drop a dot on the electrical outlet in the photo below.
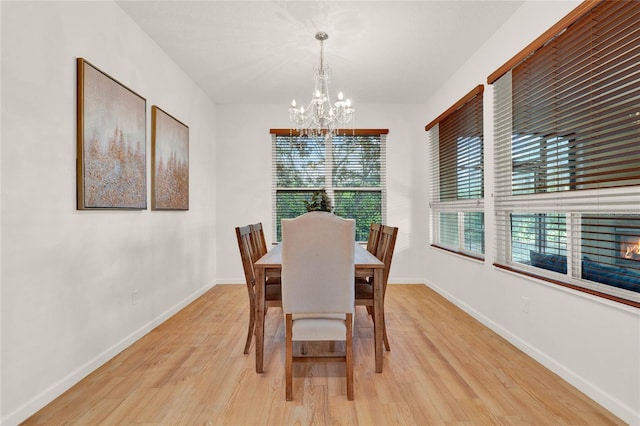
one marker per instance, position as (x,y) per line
(134,297)
(525,305)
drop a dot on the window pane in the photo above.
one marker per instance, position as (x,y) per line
(449,236)
(363,206)
(469,167)
(610,246)
(469,239)
(541,165)
(583,87)
(289,204)
(536,235)
(474,232)
(299,162)
(356,161)
(460,153)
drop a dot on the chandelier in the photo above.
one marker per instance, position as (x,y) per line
(320,116)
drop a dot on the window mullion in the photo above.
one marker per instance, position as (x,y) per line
(328,168)
(461,231)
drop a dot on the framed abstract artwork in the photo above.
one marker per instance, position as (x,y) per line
(111,138)
(170,162)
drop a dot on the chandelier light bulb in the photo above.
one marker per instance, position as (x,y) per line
(293,103)
(340,96)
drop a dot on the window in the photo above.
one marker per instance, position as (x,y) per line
(457,177)
(567,154)
(350,167)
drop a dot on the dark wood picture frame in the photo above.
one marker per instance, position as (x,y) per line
(170,162)
(111,142)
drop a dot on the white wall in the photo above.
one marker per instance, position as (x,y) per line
(590,342)
(68,276)
(244,170)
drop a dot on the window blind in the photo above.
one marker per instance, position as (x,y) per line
(457,176)
(567,155)
(350,166)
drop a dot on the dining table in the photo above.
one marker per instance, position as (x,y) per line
(366,265)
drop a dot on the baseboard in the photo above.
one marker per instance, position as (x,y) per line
(406,281)
(45,397)
(391,281)
(619,409)
(231,281)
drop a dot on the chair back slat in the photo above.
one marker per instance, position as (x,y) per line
(374,236)
(243,234)
(258,240)
(386,247)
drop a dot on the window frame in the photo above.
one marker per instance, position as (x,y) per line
(328,185)
(582,202)
(455,204)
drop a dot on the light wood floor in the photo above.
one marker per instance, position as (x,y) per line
(444,367)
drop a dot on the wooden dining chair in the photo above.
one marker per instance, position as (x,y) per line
(273,292)
(364,289)
(259,244)
(317,289)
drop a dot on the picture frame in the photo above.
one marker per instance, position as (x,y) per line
(170,162)
(111,142)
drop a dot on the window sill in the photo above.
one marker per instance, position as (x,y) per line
(561,284)
(466,255)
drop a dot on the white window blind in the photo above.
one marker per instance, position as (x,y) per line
(567,156)
(351,167)
(457,177)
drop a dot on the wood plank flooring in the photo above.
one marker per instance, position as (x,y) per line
(443,368)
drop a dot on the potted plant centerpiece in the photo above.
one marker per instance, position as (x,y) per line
(319,202)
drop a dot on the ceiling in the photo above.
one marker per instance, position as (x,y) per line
(264,52)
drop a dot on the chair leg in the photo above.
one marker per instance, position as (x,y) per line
(252,322)
(289,358)
(349,357)
(384,336)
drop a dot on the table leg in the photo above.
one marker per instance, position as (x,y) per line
(259,288)
(378,312)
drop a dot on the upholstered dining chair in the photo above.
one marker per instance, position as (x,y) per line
(364,289)
(273,292)
(317,288)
